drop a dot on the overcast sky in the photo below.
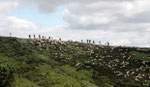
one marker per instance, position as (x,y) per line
(121,22)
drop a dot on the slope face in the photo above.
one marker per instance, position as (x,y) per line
(52,63)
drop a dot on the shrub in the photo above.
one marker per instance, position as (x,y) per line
(7,75)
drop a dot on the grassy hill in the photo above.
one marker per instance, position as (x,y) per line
(52,63)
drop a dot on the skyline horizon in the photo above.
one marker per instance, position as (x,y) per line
(121,22)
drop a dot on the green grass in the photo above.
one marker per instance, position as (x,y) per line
(140,56)
(75,65)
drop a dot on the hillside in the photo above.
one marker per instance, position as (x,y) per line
(52,63)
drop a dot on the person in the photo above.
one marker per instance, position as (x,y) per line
(81,41)
(99,42)
(34,36)
(10,34)
(89,41)
(29,36)
(93,42)
(107,43)
(42,37)
(39,36)
(60,39)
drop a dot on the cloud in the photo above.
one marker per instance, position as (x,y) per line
(93,13)
(16,26)
(7,6)
(22,28)
(121,22)
(43,6)
(102,13)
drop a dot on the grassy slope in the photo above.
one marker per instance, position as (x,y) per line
(72,64)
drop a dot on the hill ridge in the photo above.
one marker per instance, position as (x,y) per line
(86,65)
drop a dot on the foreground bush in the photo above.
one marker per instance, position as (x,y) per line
(7,75)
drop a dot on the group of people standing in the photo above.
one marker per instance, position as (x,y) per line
(93,42)
(41,37)
(88,40)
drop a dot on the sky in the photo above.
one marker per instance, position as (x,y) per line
(121,22)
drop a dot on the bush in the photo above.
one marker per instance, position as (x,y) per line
(7,75)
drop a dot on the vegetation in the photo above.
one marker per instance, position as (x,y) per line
(52,63)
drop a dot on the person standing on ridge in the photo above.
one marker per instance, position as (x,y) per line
(34,36)
(29,36)
(10,34)
(42,37)
(39,36)
(99,42)
(89,41)
(108,43)
(93,42)
(60,39)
